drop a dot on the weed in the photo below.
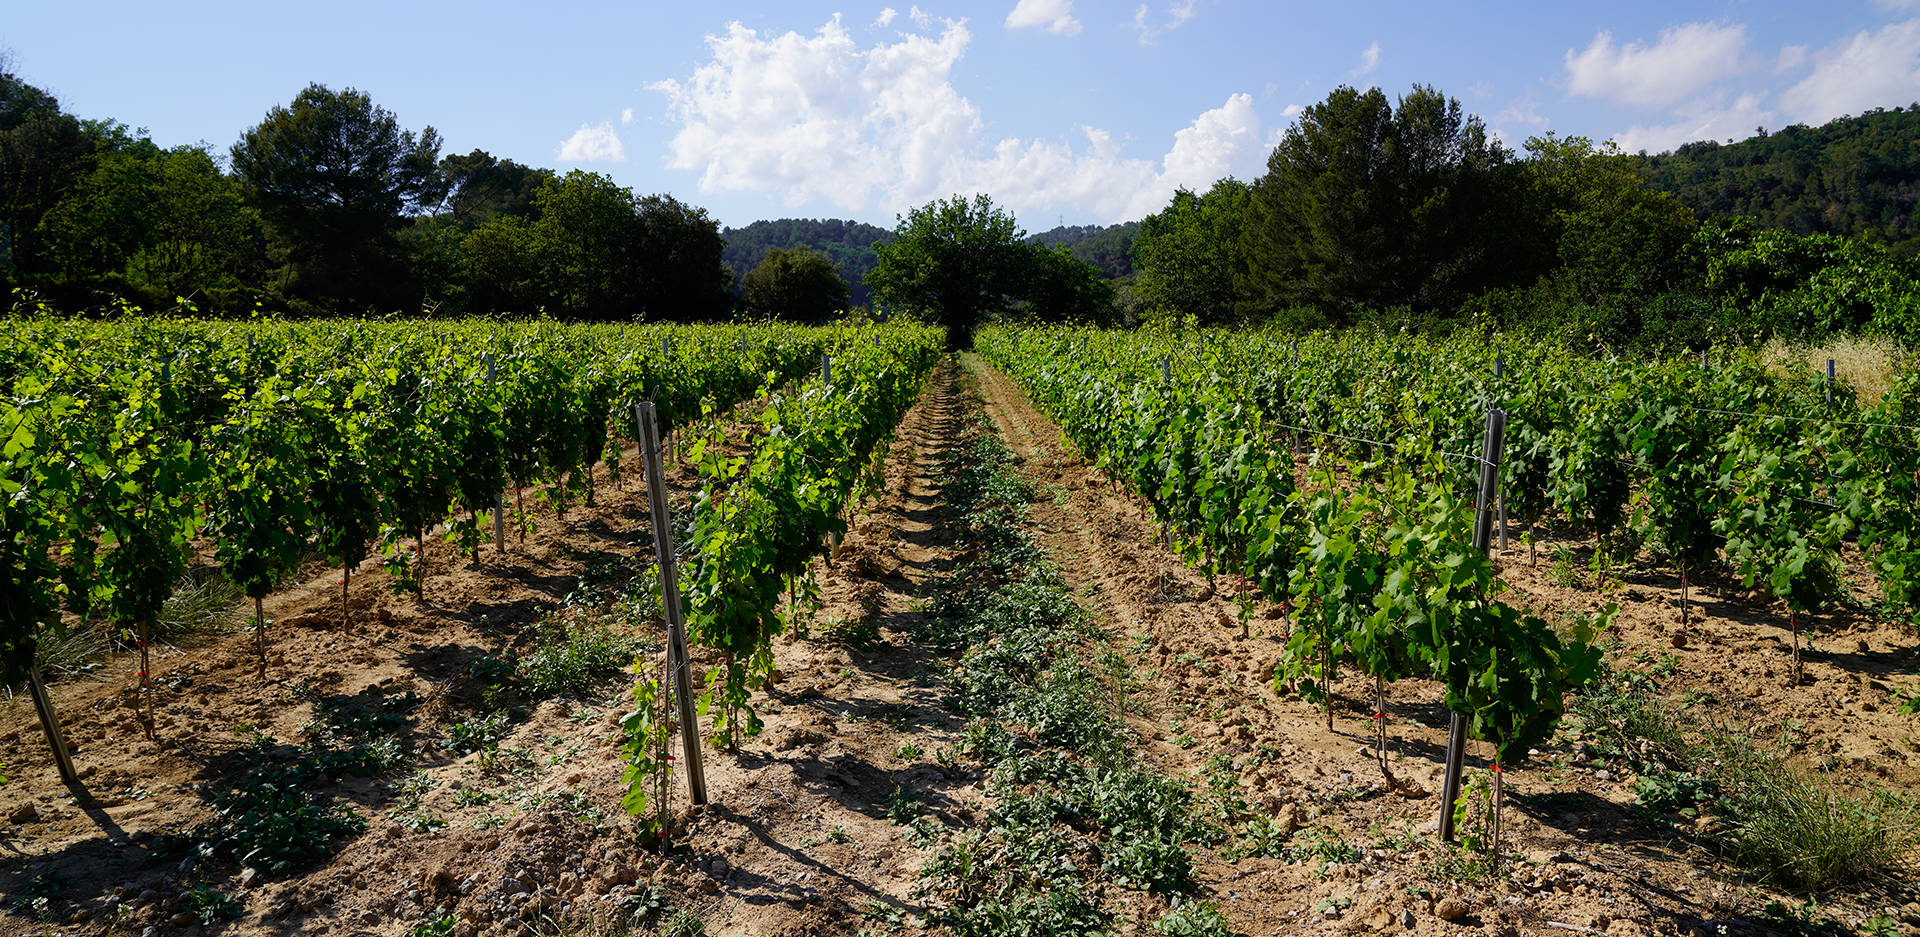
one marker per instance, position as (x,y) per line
(1263,836)
(203,902)
(478,732)
(1563,572)
(683,922)
(907,751)
(1324,849)
(40,890)
(1788,827)
(267,822)
(576,659)
(1150,862)
(1193,919)
(441,924)
(835,834)
(472,797)
(877,910)
(1182,740)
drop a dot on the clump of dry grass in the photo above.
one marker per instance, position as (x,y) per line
(1865,364)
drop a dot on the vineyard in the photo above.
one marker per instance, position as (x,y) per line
(357,626)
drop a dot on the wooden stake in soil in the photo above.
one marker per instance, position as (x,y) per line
(1490,453)
(260,632)
(682,684)
(1380,724)
(50,721)
(499,525)
(146,680)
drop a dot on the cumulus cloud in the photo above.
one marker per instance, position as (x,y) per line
(592,144)
(886,16)
(1684,61)
(1712,119)
(921,18)
(1055,16)
(818,118)
(626,116)
(1177,14)
(1872,68)
(1369,60)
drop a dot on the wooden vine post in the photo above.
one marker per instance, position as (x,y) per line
(499,503)
(50,721)
(681,684)
(1483,520)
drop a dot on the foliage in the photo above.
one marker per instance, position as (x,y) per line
(953,262)
(798,285)
(848,245)
(1109,249)
(1845,177)
(204,902)
(269,822)
(1368,205)
(1189,253)
(1193,919)
(336,177)
(761,518)
(576,658)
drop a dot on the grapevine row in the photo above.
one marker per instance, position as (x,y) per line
(124,442)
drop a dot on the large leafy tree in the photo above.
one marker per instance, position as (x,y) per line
(1610,233)
(1187,254)
(337,179)
(168,220)
(1063,288)
(1368,206)
(955,262)
(798,285)
(43,152)
(594,251)
(676,250)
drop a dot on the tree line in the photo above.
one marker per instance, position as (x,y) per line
(1853,176)
(1408,214)
(329,206)
(1403,213)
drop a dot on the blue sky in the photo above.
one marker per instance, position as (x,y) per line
(1063,110)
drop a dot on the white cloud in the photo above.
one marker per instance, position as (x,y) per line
(1177,14)
(1685,60)
(886,16)
(1055,16)
(1523,111)
(1872,68)
(1369,60)
(1711,119)
(920,17)
(1791,57)
(626,116)
(817,118)
(592,144)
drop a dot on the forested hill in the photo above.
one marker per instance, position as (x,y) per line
(847,243)
(1855,176)
(1108,248)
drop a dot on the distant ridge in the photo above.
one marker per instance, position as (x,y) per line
(847,243)
(1856,176)
(1109,248)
